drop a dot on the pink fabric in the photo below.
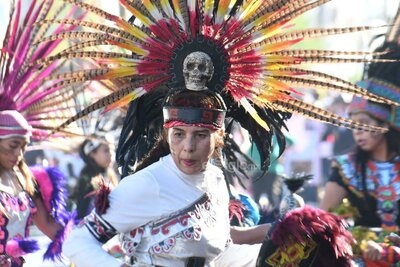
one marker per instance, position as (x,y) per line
(13,249)
(46,186)
(12,123)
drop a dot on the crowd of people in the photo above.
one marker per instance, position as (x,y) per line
(191,78)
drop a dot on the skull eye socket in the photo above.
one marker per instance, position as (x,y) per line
(190,66)
(202,67)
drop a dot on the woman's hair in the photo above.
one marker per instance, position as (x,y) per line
(29,185)
(28,176)
(91,168)
(392,137)
(183,98)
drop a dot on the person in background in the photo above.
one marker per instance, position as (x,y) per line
(23,196)
(97,171)
(369,175)
(30,111)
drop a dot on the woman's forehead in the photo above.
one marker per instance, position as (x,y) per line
(191,129)
(361,115)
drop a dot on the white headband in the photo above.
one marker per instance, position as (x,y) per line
(90,146)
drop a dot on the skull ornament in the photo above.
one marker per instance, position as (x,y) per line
(197,71)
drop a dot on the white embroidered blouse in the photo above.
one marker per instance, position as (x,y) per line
(164,216)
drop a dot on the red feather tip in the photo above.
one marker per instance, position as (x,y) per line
(236,208)
(101,201)
(303,223)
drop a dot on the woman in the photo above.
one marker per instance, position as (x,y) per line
(174,209)
(97,171)
(21,201)
(368,176)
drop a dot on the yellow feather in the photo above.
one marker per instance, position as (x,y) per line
(253,113)
(125,100)
(118,73)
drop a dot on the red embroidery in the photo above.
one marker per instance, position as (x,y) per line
(207,115)
(173,113)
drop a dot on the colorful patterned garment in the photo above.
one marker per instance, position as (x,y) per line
(15,225)
(379,207)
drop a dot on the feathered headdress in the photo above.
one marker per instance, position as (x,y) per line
(23,86)
(307,237)
(239,49)
(383,79)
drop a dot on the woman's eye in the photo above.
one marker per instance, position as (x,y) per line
(202,135)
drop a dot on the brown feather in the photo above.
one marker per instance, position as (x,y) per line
(105,101)
(326,85)
(90,8)
(140,7)
(81,36)
(100,27)
(293,11)
(315,33)
(84,55)
(323,53)
(83,45)
(182,5)
(312,112)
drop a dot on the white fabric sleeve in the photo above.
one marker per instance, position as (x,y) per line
(134,202)
(238,256)
(85,251)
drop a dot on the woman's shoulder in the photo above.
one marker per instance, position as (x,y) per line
(216,170)
(146,177)
(344,159)
(139,185)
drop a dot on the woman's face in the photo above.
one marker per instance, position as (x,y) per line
(367,141)
(191,147)
(11,152)
(102,156)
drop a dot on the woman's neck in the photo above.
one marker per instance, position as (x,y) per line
(9,182)
(381,153)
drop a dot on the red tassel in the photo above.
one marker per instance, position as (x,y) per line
(101,201)
(236,208)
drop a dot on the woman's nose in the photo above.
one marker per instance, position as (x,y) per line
(189,144)
(18,152)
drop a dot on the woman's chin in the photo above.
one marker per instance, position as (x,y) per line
(193,169)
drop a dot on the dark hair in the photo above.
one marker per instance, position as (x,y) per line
(91,168)
(388,72)
(195,99)
(182,98)
(392,137)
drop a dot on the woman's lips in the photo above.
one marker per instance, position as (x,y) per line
(361,143)
(188,162)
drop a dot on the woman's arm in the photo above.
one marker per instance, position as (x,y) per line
(131,205)
(249,235)
(84,250)
(334,194)
(44,221)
